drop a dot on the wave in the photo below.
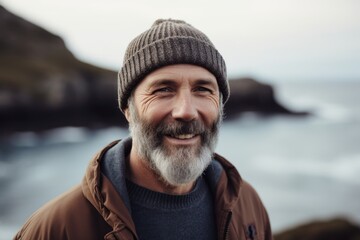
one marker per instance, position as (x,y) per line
(333,102)
(346,168)
(335,113)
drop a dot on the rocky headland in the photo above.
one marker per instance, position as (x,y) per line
(333,229)
(43,85)
(250,95)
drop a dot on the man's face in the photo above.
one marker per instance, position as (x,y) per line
(174,116)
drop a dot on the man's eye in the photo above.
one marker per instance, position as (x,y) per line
(203,89)
(163,90)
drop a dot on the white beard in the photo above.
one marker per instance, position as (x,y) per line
(182,166)
(174,165)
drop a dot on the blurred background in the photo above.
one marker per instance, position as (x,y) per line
(292,124)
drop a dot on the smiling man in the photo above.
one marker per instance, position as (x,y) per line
(164,181)
(174,114)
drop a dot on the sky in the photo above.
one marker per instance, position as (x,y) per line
(278,40)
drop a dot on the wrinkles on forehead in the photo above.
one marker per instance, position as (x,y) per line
(175,75)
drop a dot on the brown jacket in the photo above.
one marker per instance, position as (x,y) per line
(95,210)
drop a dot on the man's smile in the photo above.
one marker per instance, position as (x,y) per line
(183,139)
(185,136)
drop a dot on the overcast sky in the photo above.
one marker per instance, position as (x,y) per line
(273,40)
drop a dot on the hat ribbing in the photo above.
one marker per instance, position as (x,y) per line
(169,42)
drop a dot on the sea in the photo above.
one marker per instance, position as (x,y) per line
(303,168)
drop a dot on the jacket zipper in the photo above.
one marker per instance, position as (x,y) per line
(227,224)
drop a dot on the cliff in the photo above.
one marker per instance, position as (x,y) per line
(42,85)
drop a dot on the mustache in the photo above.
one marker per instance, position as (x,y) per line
(178,128)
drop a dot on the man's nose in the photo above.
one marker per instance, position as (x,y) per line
(184,108)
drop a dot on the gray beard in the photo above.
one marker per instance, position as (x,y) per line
(174,165)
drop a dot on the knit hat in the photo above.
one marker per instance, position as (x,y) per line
(169,42)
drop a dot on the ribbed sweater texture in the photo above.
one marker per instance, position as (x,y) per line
(164,216)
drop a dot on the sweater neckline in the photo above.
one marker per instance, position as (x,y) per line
(157,200)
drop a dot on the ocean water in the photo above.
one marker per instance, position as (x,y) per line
(303,168)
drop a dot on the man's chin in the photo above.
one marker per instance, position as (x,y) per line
(185,153)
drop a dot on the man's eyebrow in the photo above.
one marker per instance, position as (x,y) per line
(169,82)
(205,82)
(159,82)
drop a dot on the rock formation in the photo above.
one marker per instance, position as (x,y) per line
(42,85)
(249,95)
(334,229)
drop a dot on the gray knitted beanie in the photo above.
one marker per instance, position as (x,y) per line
(168,42)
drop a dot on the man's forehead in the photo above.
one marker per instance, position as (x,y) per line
(181,72)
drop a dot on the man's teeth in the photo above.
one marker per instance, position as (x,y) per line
(185,136)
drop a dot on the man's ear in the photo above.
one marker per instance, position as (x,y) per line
(127,114)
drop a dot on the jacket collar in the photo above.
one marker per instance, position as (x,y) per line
(104,184)
(100,192)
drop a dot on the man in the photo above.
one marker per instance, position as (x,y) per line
(165,181)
